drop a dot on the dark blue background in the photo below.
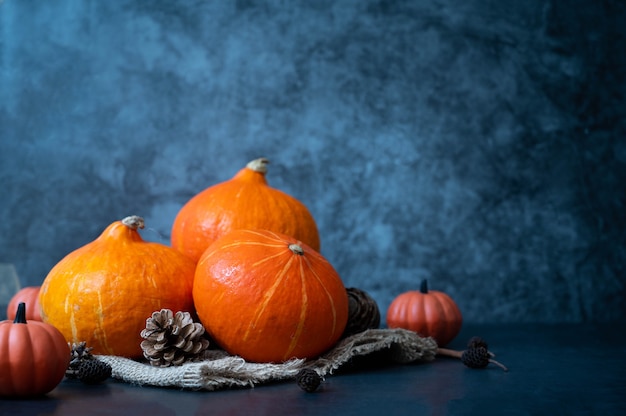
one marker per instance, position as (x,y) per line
(476,143)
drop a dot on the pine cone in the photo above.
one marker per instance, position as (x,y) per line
(363,312)
(477,357)
(308,380)
(79,352)
(476,342)
(172,339)
(93,371)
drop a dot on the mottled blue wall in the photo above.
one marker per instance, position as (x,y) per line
(476,143)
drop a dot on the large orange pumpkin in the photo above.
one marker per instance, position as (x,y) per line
(268,297)
(102,293)
(245,201)
(430,313)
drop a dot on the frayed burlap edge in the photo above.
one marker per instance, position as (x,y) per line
(218,370)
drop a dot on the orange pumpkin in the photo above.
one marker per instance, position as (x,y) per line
(102,293)
(245,201)
(30,296)
(429,313)
(268,297)
(33,356)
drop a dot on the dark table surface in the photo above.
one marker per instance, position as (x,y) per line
(553,370)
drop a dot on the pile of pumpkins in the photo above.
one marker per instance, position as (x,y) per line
(244,259)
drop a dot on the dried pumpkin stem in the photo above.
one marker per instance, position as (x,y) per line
(133,222)
(258,165)
(296,249)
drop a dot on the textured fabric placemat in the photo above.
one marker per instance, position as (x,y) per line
(219,370)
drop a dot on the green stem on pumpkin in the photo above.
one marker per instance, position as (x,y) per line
(424,286)
(20,316)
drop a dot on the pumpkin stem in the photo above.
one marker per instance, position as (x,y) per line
(296,249)
(424,286)
(258,165)
(20,316)
(133,222)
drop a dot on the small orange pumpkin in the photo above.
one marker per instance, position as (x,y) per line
(429,313)
(245,201)
(30,296)
(268,297)
(33,356)
(103,292)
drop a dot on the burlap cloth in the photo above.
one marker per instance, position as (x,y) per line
(219,370)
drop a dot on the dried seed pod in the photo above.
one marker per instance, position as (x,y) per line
(172,339)
(79,352)
(308,380)
(363,312)
(476,342)
(475,356)
(93,371)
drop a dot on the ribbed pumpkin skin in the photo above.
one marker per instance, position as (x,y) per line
(103,292)
(33,358)
(245,201)
(260,300)
(30,296)
(433,314)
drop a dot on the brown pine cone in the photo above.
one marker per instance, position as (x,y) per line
(476,341)
(172,339)
(93,371)
(308,380)
(79,352)
(363,312)
(477,354)
(477,357)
